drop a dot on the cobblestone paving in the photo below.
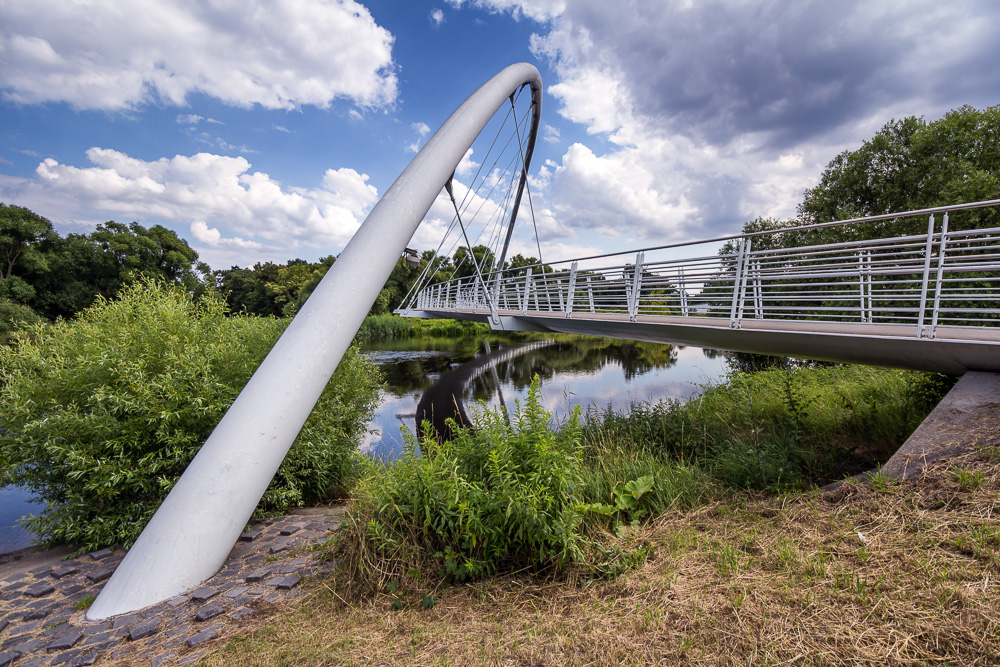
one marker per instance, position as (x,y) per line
(40,623)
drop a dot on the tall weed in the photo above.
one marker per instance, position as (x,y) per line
(498,498)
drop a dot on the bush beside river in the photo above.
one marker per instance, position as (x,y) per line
(100,415)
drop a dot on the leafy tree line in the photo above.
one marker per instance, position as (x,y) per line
(281,289)
(45,275)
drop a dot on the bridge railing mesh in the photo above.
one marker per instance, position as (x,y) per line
(927,269)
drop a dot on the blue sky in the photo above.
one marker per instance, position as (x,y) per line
(266,130)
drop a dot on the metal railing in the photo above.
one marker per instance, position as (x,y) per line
(935,267)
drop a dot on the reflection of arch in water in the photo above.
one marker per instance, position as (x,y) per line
(443,400)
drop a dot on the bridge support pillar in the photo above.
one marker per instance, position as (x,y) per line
(966,417)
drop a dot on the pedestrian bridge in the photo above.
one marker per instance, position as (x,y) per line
(924,295)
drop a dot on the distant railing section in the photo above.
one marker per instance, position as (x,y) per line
(942,273)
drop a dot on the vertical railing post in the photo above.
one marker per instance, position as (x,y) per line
(940,275)
(862,311)
(527,292)
(590,293)
(571,290)
(736,309)
(928,248)
(683,292)
(758,299)
(633,310)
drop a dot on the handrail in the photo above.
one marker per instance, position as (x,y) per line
(931,278)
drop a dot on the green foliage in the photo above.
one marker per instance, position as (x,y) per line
(14,317)
(500,498)
(272,289)
(912,164)
(21,234)
(776,429)
(100,415)
(394,326)
(58,277)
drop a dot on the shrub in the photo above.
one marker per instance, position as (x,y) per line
(499,498)
(100,415)
(15,317)
(394,326)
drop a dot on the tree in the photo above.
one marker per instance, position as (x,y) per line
(156,252)
(911,164)
(465,267)
(21,233)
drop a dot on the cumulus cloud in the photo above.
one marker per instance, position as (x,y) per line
(789,71)
(539,10)
(219,198)
(422,130)
(113,55)
(466,166)
(716,112)
(437,17)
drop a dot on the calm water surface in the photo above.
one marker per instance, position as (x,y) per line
(589,372)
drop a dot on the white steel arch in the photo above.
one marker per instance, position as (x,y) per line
(193,531)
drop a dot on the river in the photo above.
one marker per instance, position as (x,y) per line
(593,373)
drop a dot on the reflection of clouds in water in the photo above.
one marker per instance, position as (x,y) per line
(590,389)
(390,356)
(384,439)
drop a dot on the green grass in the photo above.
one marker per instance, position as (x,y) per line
(684,564)
(84,602)
(394,326)
(778,429)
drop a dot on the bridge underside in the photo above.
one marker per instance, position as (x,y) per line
(953,350)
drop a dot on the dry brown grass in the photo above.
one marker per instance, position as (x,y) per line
(745,580)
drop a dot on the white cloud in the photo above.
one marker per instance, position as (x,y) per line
(189,119)
(539,10)
(106,54)
(466,166)
(245,208)
(213,237)
(422,130)
(716,112)
(437,17)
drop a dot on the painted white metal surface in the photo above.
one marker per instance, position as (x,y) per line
(192,533)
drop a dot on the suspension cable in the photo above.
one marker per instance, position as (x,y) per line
(482,283)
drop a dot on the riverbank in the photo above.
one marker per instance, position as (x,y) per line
(899,571)
(44,597)
(902,573)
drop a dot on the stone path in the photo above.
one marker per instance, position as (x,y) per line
(43,622)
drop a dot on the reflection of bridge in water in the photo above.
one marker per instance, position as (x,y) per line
(444,400)
(926,300)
